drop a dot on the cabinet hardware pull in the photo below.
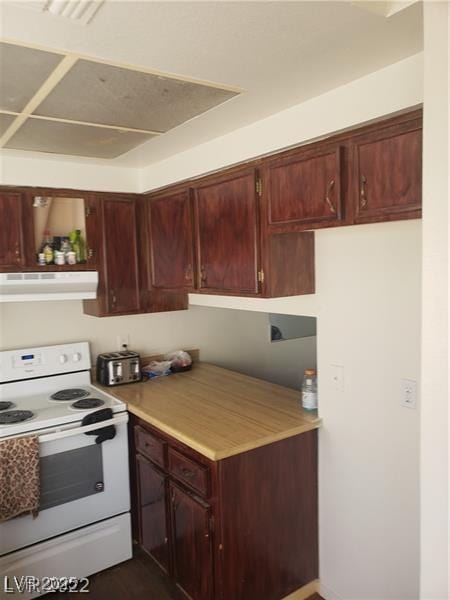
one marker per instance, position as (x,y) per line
(90,253)
(203,273)
(187,473)
(188,273)
(17,253)
(113,297)
(327,197)
(362,193)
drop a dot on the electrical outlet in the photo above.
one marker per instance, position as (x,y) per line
(337,377)
(122,340)
(408,393)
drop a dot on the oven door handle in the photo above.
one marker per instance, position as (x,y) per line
(58,435)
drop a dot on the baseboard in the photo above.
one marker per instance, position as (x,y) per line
(327,593)
(304,592)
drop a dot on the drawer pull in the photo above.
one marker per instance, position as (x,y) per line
(362,193)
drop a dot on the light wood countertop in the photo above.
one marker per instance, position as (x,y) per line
(216,411)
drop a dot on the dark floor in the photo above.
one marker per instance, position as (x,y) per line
(135,579)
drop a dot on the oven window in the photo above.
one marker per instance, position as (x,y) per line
(71,475)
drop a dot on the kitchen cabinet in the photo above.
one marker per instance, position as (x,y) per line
(11,233)
(387,172)
(191,543)
(118,222)
(226,211)
(240,528)
(121,268)
(171,241)
(152,493)
(304,189)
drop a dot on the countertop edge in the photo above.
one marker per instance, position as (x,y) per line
(220,455)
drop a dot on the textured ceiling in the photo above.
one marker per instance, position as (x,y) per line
(106,110)
(280,53)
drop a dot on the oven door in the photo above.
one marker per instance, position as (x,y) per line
(82,482)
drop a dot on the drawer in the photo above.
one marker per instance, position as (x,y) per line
(189,472)
(150,446)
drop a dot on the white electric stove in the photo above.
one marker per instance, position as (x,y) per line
(83,524)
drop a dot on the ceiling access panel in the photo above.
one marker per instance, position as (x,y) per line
(22,73)
(100,93)
(5,122)
(56,137)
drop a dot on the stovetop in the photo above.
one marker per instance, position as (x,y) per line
(47,387)
(39,411)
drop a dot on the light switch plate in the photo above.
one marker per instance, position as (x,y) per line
(337,377)
(408,393)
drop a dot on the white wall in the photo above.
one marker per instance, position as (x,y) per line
(81,174)
(435,539)
(388,90)
(238,341)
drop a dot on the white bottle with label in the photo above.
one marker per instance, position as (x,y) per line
(309,390)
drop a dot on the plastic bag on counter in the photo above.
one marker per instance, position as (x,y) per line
(179,361)
(156,368)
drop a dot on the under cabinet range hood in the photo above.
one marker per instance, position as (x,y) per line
(48,285)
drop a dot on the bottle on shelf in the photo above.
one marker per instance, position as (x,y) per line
(78,245)
(47,247)
(309,390)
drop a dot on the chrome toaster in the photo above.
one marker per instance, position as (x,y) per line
(116,368)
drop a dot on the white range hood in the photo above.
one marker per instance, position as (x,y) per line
(48,285)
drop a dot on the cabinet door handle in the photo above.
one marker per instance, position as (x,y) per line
(187,473)
(362,192)
(113,297)
(17,252)
(203,273)
(90,253)
(188,273)
(327,197)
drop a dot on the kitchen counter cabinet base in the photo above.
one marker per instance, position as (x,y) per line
(254,535)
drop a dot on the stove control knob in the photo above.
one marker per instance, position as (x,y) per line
(63,358)
(76,357)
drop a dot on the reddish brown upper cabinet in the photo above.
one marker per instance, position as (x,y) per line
(227,234)
(387,173)
(11,232)
(304,189)
(121,255)
(171,241)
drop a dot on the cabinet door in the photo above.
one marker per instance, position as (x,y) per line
(11,237)
(120,255)
(153,522)
(192,544)
(304,190)
(227,235)
(171,241)
(387,167)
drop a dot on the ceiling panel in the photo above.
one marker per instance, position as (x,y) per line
(5,122)
(41,135)
(22,72)
(99,93)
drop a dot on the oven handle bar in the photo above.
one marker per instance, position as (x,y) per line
(58,435)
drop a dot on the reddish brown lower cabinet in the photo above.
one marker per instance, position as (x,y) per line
(152,506)
(191,523)
(241,528)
